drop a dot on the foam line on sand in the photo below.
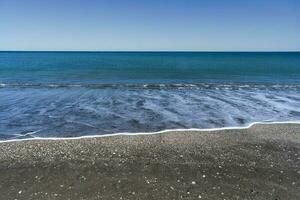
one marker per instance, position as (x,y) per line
(152,133)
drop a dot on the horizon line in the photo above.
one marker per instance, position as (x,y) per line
(154,51)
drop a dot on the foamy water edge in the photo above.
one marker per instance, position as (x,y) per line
(151,133)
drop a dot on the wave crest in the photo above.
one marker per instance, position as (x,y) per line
(149,86)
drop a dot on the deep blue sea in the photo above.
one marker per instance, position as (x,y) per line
(65,94)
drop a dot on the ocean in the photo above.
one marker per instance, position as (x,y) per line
(68,94)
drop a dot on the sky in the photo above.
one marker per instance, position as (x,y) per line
(152,25)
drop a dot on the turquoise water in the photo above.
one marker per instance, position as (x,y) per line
(68,67)
(63,94)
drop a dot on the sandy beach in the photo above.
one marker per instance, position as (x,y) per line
(262,162)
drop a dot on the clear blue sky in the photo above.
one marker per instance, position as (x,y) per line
(214,25)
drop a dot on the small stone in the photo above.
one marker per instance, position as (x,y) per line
(199,197)
(193,182)
(83,178)
(203,176)
(20,192)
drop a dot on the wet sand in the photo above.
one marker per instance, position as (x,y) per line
(262,162)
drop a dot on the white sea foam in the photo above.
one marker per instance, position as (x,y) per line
(65,112)
(152,133)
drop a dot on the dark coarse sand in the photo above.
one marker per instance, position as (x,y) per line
(262,162)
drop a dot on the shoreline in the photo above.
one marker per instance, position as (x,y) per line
(153,133)
(260,162)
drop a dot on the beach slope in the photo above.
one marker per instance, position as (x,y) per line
(262,162)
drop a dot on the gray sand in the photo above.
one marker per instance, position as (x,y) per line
(262,162)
